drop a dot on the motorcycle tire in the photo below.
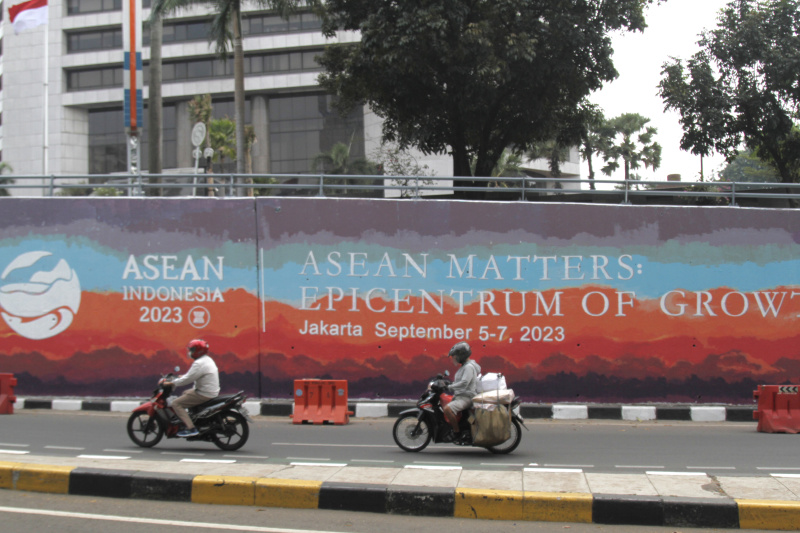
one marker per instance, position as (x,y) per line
(410,433)
(230,432)
(145,430)
(513,441)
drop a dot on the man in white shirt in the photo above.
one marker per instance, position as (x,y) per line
(205,375)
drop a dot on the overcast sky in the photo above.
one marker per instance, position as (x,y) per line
(673,31)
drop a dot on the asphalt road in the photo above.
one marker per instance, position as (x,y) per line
(591,445)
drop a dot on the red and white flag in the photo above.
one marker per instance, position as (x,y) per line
(28,15)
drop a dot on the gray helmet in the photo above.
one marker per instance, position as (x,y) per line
(461,351)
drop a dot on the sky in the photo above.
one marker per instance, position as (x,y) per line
(673,30)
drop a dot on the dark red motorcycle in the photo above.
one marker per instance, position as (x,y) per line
(222,420)
(416,428)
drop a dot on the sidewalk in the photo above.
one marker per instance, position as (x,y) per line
(535,494)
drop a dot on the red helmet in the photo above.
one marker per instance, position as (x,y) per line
(197,348)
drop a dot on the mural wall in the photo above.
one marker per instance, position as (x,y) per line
(572,302)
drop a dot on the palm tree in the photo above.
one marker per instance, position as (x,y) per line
(596,140)
(222,134)
(337,161)
(634,152)
(226,30)
(5,181)
(154,106)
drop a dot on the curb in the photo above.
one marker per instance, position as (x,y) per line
(460,502)
(371,409)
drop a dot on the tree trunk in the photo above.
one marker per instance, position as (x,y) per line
(238,92)
(154,109)
(591,171)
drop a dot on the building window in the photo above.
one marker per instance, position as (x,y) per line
(95,78)
(107,150)
(265,24)
(79,7)
(302,127)
(94,40)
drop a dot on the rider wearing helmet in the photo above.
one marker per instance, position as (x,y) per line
(205,375)
(464,385)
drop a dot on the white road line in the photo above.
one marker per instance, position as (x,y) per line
(370,461)
(433,467)
(179,453)
(502,464)
(117,457)
(711,467)
(156,521)
(112,450)
(662,473)
(786,475)
(569,466)
(776,468)
(555,470)
(73,448)
(247,456)
(437,463)
(15,445)
(15,452)
(636,466)
(316,459)
(333,445)
(317,464)
(218,461)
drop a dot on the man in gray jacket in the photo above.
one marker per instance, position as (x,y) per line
(205,375)
(465,385)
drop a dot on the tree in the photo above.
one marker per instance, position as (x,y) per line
(746,167)
(596,139)
(390,160)
(473,77)
(222,135)
(741,87)
(226,30)
(337,161)
(633,143)
(5,181)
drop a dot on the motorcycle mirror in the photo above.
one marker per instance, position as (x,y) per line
(177,369)
(447,373)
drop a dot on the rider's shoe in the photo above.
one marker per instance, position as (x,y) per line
(188,433)
(450,436)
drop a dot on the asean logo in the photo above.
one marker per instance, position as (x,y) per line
(38,303)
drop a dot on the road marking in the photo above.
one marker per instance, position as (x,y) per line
(333,445)
(15,452)
(662,473)
(636,466)
(502,464)
(563,470)
(433,467)
(15,445)
(437,463)
(786,475)
(711,467)
(112,450)
(117,457)
(247,456)
(318,464)
(218,461)
(308,459)
(370,461)
(74,448)
(777,468)
(156,521)
(569,466)
(179,453)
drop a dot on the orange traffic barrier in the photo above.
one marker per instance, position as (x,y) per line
(778,408)
(320,401)
(7,398)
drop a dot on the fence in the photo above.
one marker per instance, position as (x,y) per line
(323,185)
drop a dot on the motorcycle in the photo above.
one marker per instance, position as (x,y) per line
(416,428)
(221,420)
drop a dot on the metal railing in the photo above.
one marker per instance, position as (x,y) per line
(327,185)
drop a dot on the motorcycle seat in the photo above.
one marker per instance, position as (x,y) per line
(223,398)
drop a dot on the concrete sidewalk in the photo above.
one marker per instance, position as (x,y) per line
(536,494)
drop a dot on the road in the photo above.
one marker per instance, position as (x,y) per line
(591,445)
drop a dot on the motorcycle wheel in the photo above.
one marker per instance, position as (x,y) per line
(145,430)
(231,432)
(513,441)
(411,434)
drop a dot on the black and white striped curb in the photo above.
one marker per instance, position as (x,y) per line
(372,409)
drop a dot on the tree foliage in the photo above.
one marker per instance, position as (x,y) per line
(475,77)
(741,87)
(631,141)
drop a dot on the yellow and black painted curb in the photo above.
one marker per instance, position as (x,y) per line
(419,501)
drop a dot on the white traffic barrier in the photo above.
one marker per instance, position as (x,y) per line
(638,412)
(708,414)
(372,410)
(124,406)
(67,405)
(570,412)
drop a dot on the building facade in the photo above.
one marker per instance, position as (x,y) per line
(294,121)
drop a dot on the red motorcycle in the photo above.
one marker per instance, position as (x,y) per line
(416,428)
(221,420)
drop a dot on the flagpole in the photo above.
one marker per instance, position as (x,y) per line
(46,76)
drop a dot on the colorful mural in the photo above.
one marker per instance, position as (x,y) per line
(571,302)
(588,303)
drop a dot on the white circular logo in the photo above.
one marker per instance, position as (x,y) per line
(39,304)
(199,317)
